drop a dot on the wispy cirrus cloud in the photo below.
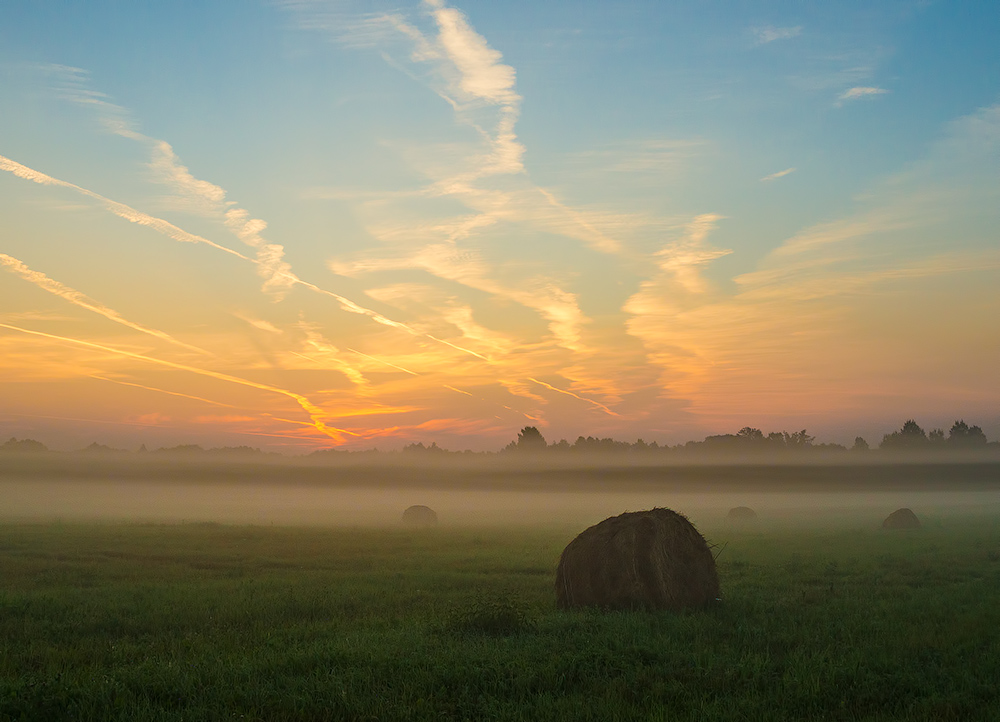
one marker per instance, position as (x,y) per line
(460,65)
(779,174)
(248,227)
(858,92)
(73,84)
(764,34)
(852,283)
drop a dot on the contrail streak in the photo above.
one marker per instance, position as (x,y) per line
(89,421)
(75,297)
(459,348)
(378,360)
(171,231)
(119,209)
(163,391)
(602,407)
(315,413)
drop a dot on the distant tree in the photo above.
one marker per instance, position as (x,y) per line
(243,450)
(911,436)
(749,433)
(798,439)
(561,445)
(592,445)
(181,449)
(529,439)
(420,448)
(96,448)
(23,445)
(859,444)
(936,437)
(828,447)
(963,435)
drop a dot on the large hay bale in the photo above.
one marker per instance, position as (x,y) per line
(419,516)
(901,519)
(741,514)
(652,559)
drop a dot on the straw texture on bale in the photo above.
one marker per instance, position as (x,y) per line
(420,515)
(901,519)
(741,513)
(652,559)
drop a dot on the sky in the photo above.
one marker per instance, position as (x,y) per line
(306,224)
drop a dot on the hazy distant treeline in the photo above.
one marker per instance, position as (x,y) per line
(909,439)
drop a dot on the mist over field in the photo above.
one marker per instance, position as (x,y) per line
(469,492)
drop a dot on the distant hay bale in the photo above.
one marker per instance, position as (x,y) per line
(901,519)
(741,514)
(419,516)
(652,559)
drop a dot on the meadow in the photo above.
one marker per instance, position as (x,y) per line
(202,621)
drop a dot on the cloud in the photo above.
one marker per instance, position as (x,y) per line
(259,323)
(78,299)
(119,209)
(769,33)
(482,75)
(467,72)
(593,403)
(191,194)
(316,345)
(161,391)
(684,259)
(200,195)
(316,415)
(269,258)
(859,92)
(73,85)
(779,174)
(841,312)
(560,308)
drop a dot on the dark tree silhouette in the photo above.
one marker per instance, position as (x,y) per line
(750,434)
(911,436)
(798,439)
(529,439)
(29,445)
(859,444)
(963,435)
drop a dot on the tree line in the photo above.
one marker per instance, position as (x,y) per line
(909,438)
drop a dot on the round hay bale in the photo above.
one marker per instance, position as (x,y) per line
(901,519)
(652,559)
(741,514)
(419,515)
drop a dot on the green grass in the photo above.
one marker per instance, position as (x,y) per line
(205,622)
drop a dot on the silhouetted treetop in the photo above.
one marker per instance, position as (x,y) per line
(963,435)
(23,445)
(911,436)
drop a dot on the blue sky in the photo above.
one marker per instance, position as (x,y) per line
(443,222)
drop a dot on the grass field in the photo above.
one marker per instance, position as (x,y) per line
(209,622)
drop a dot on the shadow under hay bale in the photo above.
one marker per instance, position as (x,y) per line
(901,519)
(420,516)
(741,514)
(652,559)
